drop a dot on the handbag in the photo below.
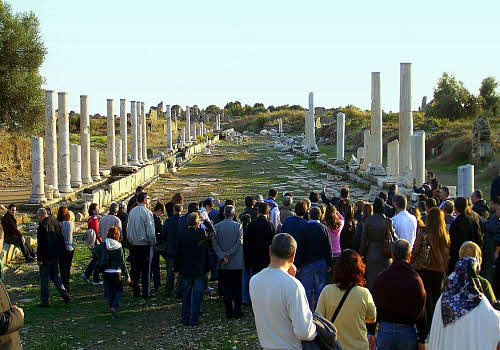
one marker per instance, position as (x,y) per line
(388,240)
(423,258)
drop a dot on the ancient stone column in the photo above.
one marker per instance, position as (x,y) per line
(393,158)
(84,141)
(202,129)
(144,134)
(169,130)
(195,131)
(340,135)
(217,122)
(418,156)
(405,122)
(118,152)
(37,183)
(51,142)
(64,155)
(76,166)
(376,120)
(310,132)
(465,180)
(366,146)
(94,164)
(280,126)
(134,159)
(183,136)
(139,132)
(123,130)
(110,150)
(188,124)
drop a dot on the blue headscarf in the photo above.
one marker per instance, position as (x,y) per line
(462,293)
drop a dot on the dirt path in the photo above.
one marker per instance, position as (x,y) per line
(232,171)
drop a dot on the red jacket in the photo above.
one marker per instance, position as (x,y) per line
(93,223)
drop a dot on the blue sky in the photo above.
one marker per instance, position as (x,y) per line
(274,52)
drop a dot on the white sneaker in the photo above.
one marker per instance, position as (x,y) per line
(97,283)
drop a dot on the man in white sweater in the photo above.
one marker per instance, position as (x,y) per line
(282,315)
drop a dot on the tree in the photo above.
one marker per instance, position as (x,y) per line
(21,54)
(490,99)
(212,109)
(452,100)
(233,108)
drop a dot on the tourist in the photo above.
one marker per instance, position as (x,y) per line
(435,237)
(393,190)
(314,198)
(463,318)
(405,224)
(444,195)
(123,216)
(495,187)
(426,185)
(316,257)
(158,212)
(111,253)
(258,199)
(334,222)
(111,219)
(286,210)
(375,229)
(491,242)
(389,210)
(465,227)
(366,213)
(448,209)
(344,194)
(66,260)
(12,320)
(472,250)
(479,205)
(416,213)
(14,237)
(322,208)
(274,211)
(183,220)
(177,198)
(358,308)
(249,208)
(93,224)
(423,210)
(429,204)
(206,208)
(294,225)
(282,316)
(358,210)
(192,263)
(247,272)
(308,206)
(50,248)
(133,199)
(172,233)
(260,233)
(228,245)
(399,296)
(349,229)
(141,237)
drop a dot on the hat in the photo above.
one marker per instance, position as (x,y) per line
(210,199)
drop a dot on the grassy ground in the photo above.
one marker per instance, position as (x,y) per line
(232,171)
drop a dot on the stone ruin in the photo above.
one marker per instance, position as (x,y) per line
(481,139)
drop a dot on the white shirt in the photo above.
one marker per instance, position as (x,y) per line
(282,315)
(405,225)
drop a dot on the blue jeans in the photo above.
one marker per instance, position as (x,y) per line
(113,289)
(155,270)
(313,278)
(392,336)
(192,293)
(245,285)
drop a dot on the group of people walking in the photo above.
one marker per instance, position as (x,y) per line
(387,276)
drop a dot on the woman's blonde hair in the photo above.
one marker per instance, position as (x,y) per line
(436,226)
(322,207)
(470,249)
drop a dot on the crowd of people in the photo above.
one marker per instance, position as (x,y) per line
(387,276)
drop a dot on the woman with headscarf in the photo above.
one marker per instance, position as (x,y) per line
(463,317)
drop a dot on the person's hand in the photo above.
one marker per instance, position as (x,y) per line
(292,270)
(372,342)
(15,307)
(23,239)
(420,346)
(129,280)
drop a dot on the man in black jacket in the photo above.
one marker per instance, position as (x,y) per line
(170,235)
(192,263)
(13,236)
(259,236)
(316,257)
(133,199)
(50,249)
(479,205)
(465,227)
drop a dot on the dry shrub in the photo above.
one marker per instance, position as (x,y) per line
(456,149)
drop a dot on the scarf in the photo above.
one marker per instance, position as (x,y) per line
(462,292)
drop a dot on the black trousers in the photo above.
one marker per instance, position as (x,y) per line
(65,267)
(231,291)
(26,248)
(141,257)
(433,284)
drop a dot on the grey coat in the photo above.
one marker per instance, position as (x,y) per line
(228,238)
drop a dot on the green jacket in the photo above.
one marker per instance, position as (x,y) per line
(114,258)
